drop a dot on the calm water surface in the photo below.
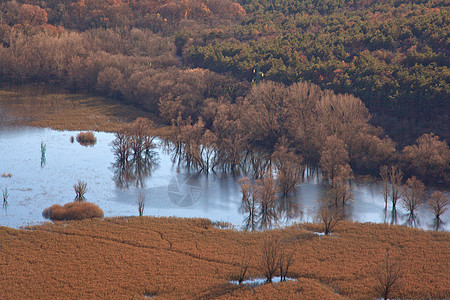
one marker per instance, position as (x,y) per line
(169,190)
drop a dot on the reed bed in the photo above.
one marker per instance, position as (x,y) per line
(176,258)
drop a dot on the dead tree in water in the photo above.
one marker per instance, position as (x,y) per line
(289,169)
(413,194)
(384,173)
(396,176)
(249,203)
(438,203)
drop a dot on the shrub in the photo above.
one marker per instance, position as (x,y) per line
(86,138)
(73,211)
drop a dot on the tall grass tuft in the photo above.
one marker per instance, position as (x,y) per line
(73,211)
(86,138)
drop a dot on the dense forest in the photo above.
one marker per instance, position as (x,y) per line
(291,77)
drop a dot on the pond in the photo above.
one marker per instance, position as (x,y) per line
(39,181)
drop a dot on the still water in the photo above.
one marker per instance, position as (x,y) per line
(39,181)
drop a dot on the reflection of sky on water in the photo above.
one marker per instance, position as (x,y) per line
(215,196)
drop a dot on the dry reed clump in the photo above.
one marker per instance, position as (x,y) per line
(86,138)
(73,211)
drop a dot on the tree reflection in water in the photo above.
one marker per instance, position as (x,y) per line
(261,206)
(134,153)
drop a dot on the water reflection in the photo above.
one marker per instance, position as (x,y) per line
(288,209)
(5,196)
(43,150)
(437,224)
(412,220)
(131,166)
(394,217)
(117,178)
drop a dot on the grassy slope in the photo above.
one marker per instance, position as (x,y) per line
(190,258)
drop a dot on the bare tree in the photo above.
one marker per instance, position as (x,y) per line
(141,203)
(289,169)
(270,256)
(339,191)
(387,276)
(267,188)
(396,176)
(285,261)
(413,194)
(334,154)
(384,173)
(438,203)
(249,202)
(80,189)
(329,217)
(244,265)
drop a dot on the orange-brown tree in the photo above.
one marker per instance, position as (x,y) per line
(289,169)
(429,158)
(413,195)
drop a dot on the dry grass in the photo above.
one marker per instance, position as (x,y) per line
(86,138)
(192,259)
(28,105)
(73,211)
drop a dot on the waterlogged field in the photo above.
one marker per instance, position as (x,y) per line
(174,258)
(39,180)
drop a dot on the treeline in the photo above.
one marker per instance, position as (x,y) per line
(136,66)
(157,15)
(393,55)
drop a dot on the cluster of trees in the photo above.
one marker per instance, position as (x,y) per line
(278,129)
(133,152)
(411,194)
(157,15)
(275,124)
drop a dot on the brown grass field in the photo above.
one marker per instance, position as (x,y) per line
(192,259)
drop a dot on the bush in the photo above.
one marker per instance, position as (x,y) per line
(86,138)
(73,211)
